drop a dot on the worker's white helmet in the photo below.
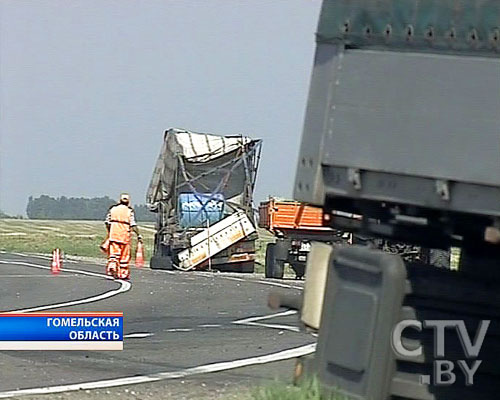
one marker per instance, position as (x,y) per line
(125,198)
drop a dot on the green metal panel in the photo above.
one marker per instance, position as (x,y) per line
(420,25)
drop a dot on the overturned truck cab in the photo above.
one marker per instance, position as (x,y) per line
(202,192)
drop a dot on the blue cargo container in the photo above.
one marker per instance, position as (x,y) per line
(196,210)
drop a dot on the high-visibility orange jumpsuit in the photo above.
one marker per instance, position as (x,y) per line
(120,220)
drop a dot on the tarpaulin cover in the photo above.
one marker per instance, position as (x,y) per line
(200,163)
(422,25)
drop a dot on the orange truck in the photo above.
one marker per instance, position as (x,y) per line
(295,225)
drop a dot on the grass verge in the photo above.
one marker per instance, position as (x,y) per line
(82,238)
(74,238)
(307,390)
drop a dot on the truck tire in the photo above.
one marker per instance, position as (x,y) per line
(299,269)
(274,268)
(247,267)
(161,262)
(243,267)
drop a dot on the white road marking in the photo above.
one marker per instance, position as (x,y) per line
(249,322)
(273,326)
(36,276)
(263,317)
(43,257)
(202,369)
(252,321)
(124,287)
(222,275)
(170,272)
(137,335)
(36,345)
(232,278)
(271,283)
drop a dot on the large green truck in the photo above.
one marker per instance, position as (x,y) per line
(403,128)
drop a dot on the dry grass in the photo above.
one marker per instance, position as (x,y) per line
(76,238)
(81,238)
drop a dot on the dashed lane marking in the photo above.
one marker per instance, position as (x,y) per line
(273,326)
(263,317)
(138,335)
(252,321)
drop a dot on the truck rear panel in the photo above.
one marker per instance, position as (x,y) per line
(403,106)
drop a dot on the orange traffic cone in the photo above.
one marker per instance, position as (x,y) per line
(56,261)
(139,255)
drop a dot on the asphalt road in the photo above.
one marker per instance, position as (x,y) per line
(174,322)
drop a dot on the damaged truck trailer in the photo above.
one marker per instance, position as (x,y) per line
(202,193)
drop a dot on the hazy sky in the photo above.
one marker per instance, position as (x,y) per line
(87,88)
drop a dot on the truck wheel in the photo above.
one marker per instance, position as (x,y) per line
(299,269)
(247,267)
(161,262)
(274,268)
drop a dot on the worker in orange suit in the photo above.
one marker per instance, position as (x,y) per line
(120,221)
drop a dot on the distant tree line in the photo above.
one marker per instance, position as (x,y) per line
(7,216)
(78,208)
(142,214)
